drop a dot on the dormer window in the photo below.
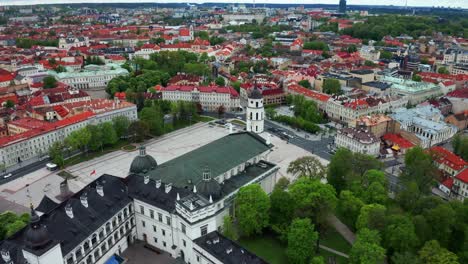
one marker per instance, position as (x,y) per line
(69,210)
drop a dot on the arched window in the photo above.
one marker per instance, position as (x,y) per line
(256,116)
(250,115)
(256,104)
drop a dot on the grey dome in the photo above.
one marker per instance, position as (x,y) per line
(256,94)
(208,186)
(142,162)
(211,187)
(36,235)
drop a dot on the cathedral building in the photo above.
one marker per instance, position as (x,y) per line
(177,207)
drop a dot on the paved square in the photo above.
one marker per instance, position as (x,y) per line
(32,187)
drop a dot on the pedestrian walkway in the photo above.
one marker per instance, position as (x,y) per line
(342,229)
(333,251)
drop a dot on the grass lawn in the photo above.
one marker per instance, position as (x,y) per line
(203,118)
(272,251)
(326,255)
(239,122)
(66,175)
(267,247)
(333,239)
(128,147)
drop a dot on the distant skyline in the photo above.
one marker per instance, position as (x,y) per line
(446,3)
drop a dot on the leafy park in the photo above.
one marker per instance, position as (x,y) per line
(292,224)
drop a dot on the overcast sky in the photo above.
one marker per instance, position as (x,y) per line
(451,3)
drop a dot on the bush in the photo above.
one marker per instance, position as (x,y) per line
(298,122)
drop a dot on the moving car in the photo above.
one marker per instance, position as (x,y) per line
(6,176)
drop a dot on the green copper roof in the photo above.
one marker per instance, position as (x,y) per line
(219,156)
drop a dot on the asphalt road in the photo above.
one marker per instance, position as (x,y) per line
(24,170)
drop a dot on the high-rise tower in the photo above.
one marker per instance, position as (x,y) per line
(342,8)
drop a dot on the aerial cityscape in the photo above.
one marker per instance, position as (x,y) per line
(313,132)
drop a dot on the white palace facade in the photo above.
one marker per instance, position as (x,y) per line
(176,207)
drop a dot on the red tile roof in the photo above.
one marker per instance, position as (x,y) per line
(184,32)
(398,140)
(443,156)
(309,93)
(459,93)
(448,183)
(8,140)
(463,176)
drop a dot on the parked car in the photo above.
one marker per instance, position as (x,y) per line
(6,176)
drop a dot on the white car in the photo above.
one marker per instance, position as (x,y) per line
(6,176)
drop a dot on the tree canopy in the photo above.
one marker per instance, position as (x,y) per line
(252,209)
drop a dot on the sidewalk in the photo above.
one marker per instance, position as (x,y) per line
(333,251)
(342,229)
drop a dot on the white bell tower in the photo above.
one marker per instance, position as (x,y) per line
(255,111)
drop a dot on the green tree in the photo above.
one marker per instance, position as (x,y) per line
(376,193)
(79,139)
(9,104)
(349,206)
(121,124)
(416,78)
(229,230)
(420,169)
(60,69)
(409,196)
(441,219)
(270,113)
(49,82)
(316,45)
(369,63)
(154,118)
(305,84)
(307,166)
(109,135)
(96,141)
(400,234)
(372,216)
(332,86)
(386,55)
(10,223)
(433,253)
(339,167)
(405,258)
(220,81)
(252,209)
(317,260)
(422,228)
(460,146)
(236,86)
(313,199)
(366,249)
(56,154)
(281,211)
(443,70)
(137,131)
(301,240)
(351,49)
(282,183)
(14,227)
